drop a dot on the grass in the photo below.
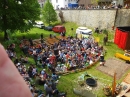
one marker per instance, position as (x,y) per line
(67,82)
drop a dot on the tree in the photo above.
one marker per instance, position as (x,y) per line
(61,16)
(49,14)
(18,15)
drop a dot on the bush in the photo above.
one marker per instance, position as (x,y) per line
(13,40)
(55,23)
(105,31)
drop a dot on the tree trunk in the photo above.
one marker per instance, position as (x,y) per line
(4,17)
(6,35)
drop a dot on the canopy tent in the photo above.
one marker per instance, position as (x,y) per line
(70,5)
(122,37)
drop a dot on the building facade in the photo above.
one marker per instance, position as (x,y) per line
(58,4)
(41,2)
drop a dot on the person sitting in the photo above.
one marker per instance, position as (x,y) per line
(42,80)
(45,85)
(34,71)
(37,79)
(54,76)
(12,47)
(24,60)
(16,60)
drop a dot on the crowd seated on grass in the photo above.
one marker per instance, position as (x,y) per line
(72,54)
(11,51)
(31,73)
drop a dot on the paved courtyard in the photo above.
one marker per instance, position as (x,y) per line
(114,65)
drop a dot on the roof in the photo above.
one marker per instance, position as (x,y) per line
(82,28)
(39,22)
(125,28)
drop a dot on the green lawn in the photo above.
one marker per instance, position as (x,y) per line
(67,82)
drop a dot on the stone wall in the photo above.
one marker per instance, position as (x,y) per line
(98,18)
(123,18)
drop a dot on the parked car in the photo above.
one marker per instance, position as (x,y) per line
(39,24)
(49,28)
(59,29)
(83,32)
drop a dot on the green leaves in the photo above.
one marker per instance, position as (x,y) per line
(95,1)
(49,14)
(17,14)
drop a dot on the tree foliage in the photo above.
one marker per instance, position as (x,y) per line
(94,1)
(18,14)
(49,14)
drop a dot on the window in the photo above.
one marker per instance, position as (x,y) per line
(56,1)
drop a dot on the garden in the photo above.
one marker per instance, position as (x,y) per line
(68,82)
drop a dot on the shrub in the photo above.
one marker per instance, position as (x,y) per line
(55,23)
(13,40)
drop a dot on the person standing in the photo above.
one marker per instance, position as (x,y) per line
(49,91)
(105,39)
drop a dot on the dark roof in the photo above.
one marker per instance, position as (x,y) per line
(125,28)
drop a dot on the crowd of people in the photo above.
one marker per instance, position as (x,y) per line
(68,54)
(101,7)
(33,76)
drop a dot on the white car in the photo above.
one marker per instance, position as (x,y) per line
(39,24)
(83,31)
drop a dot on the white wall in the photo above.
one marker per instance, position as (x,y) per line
(57,3)
(72,1)
(41,4)
(62,3)
(53,3)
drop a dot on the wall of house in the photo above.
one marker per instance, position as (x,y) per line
(61,3)
(98,18)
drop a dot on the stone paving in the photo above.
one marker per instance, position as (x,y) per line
(113,65)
